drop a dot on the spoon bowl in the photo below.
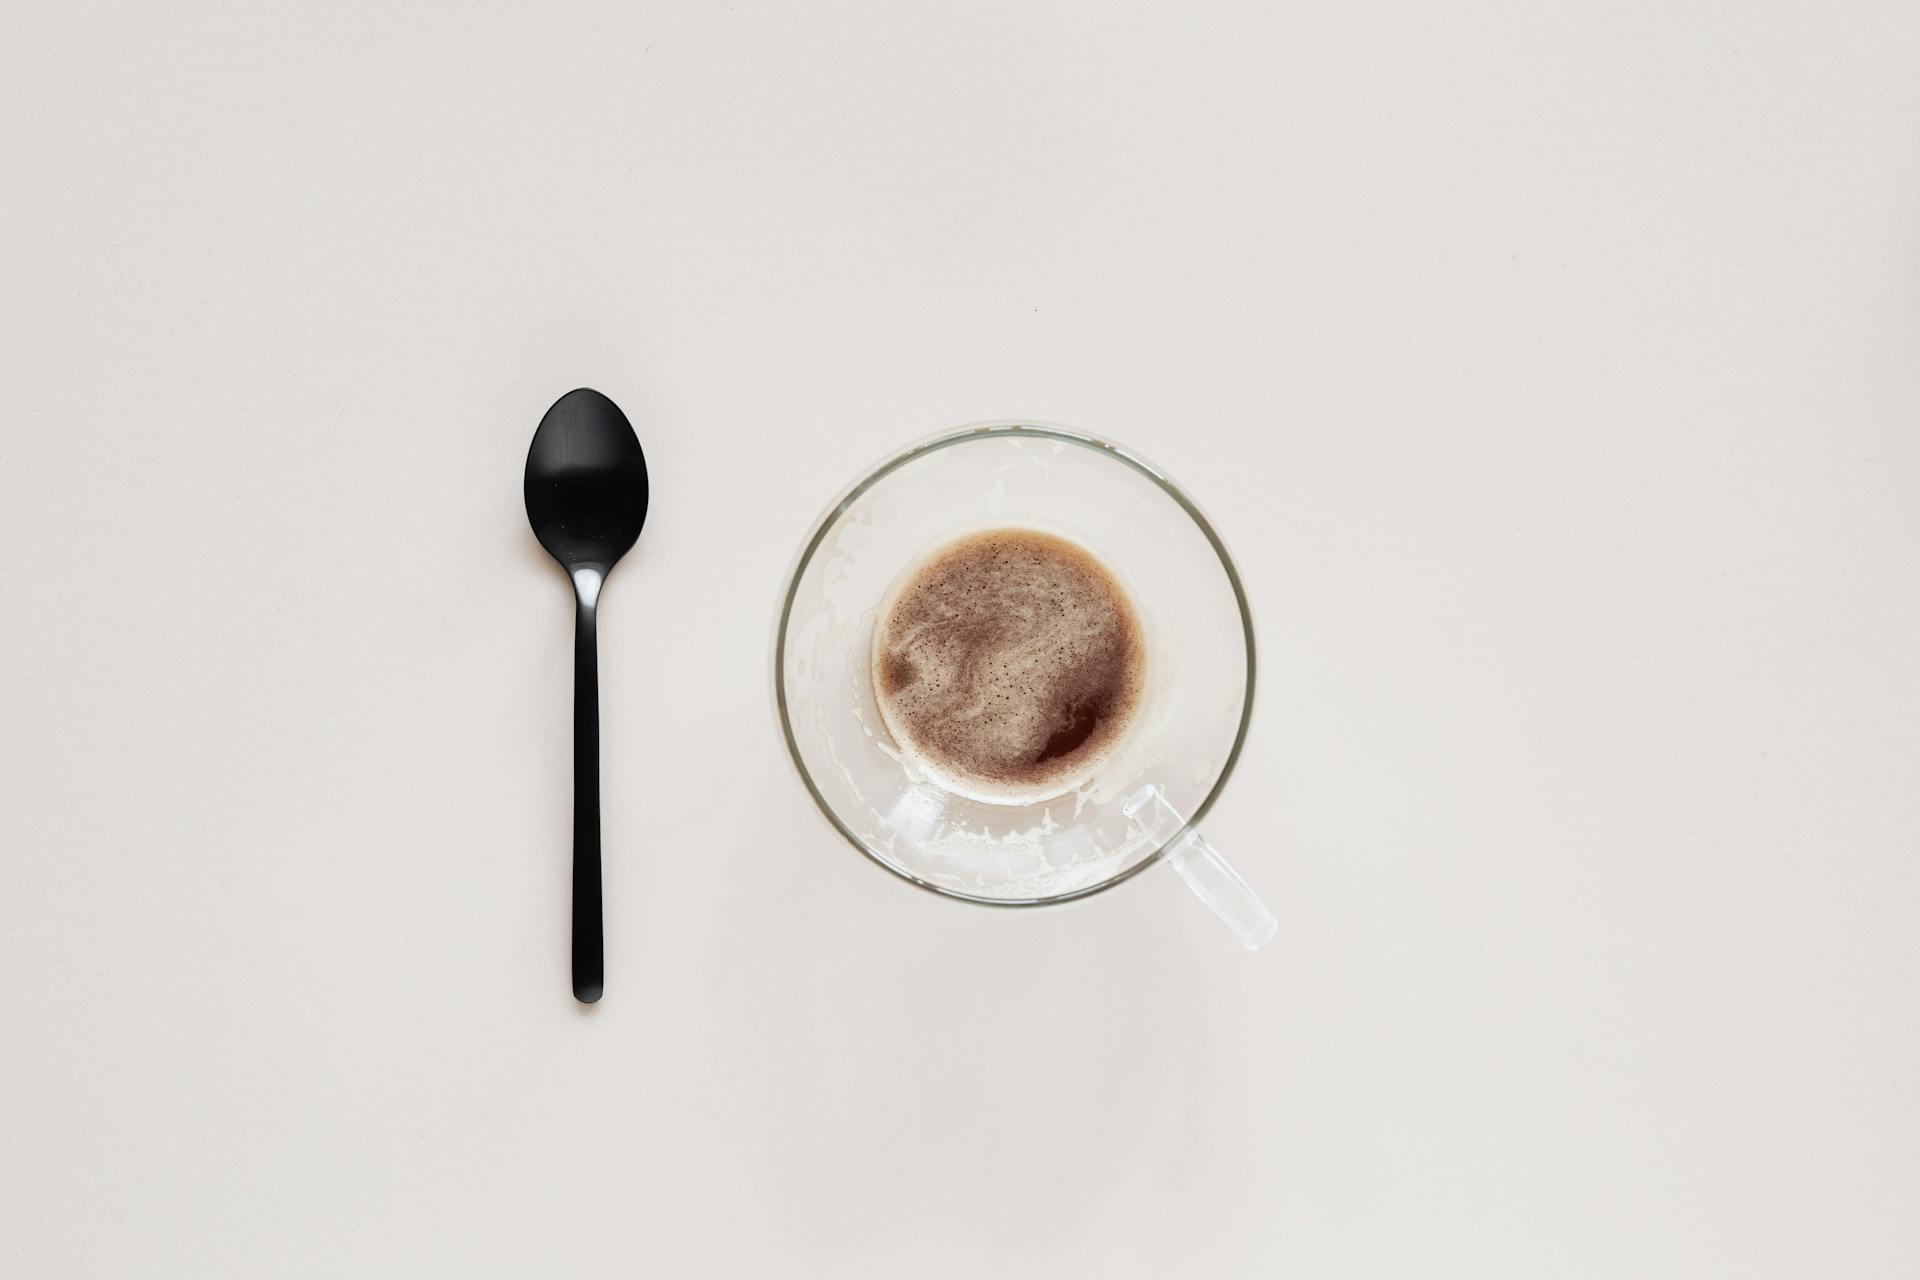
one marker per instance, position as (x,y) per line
(586,482)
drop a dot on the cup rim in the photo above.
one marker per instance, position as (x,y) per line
(1003,429)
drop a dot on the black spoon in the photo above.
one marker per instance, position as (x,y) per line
(586,500)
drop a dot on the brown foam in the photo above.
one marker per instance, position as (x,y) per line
(1011,660)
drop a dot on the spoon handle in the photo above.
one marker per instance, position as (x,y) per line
(589,943)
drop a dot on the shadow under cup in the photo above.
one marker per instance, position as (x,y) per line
(1184,737)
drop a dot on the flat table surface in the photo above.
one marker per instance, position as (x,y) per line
(1553,372)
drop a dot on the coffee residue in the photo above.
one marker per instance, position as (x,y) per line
(1011,659)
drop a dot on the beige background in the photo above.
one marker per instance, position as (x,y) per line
(1552,369)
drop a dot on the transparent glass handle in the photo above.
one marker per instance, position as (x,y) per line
(1209,875)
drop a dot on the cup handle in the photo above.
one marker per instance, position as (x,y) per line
(1198,863)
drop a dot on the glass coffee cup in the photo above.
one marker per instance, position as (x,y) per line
(1138,804)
